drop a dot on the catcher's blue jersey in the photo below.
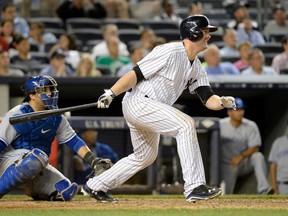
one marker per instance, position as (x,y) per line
(36,134)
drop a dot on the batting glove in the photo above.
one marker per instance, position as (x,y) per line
(105,99)
(228,102)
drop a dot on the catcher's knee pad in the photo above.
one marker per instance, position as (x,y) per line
(23,170)
(65,191)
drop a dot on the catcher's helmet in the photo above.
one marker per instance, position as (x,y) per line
(191,27)
(39,84)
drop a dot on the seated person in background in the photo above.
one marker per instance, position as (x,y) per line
(81,8)
(57,66)
(20,24)
(5,69)
(257,64)
(109,30)
(240,141)
(67,43)
(87,67)
(279,24)
(195,8)
(6,35)
(280,61)
(136,54)
(247,33)
(278,159)
(239,10)
(38,36)
(213,64)
(23,59)
(244,50)
(147,40)
(230,41)
(117,8)
(168,13)
(113,60)
(82,169)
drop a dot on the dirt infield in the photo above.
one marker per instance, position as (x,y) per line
(146,202)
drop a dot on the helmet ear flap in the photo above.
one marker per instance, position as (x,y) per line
(196,35)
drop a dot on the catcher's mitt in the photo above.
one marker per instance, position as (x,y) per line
(102,166)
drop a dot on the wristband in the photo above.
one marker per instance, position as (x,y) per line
(91,159)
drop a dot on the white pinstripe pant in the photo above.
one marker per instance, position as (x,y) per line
(148,119)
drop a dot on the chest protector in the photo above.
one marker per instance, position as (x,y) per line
(36,134)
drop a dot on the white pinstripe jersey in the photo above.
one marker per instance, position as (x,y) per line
(168,72)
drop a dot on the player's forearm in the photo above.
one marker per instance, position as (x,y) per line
(83,151)
(249,152)
(126,82)
(273,174)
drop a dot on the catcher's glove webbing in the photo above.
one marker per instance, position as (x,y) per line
(99,165)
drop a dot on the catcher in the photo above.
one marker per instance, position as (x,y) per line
(24,148)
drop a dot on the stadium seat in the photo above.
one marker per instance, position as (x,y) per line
(80,23)
(156,25)
(88,34)
(123,23)
(270,48)
(127,35)
(168,34)
(49,22)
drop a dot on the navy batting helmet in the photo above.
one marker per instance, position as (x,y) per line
(191,27)
(42,85)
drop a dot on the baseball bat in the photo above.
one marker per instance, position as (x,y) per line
(46,113)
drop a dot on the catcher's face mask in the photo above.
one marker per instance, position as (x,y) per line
(46,87)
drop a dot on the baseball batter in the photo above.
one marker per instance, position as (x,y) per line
(24,148)
(278,159)
(152,87)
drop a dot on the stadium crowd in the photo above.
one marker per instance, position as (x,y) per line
(36,40)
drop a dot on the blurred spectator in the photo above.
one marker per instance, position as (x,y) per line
(238,11)
(20,24)
(6,34)
(109,30)
(244,50)
(87,67)
(230,41)
(39,38)
(81,8)
(114,60)
(144,9)
(279,24)
(45,8)
(257,64)
(214,66)
(67,43)
(82,169)
(136,54)
(147,40)
(57,66)
(278,159)
(280,61)
(168,12)
(5,69)
(195,8)
(23,59)
(240,143)
(247,33)
(117,8)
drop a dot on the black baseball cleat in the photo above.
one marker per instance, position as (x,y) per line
(203,192)
(98,195)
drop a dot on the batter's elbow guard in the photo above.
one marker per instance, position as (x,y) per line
(65,191)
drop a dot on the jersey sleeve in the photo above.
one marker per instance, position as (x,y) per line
(201,78)
(154,61)
(7,131)
(253,136)
(65,132)
(273,152)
